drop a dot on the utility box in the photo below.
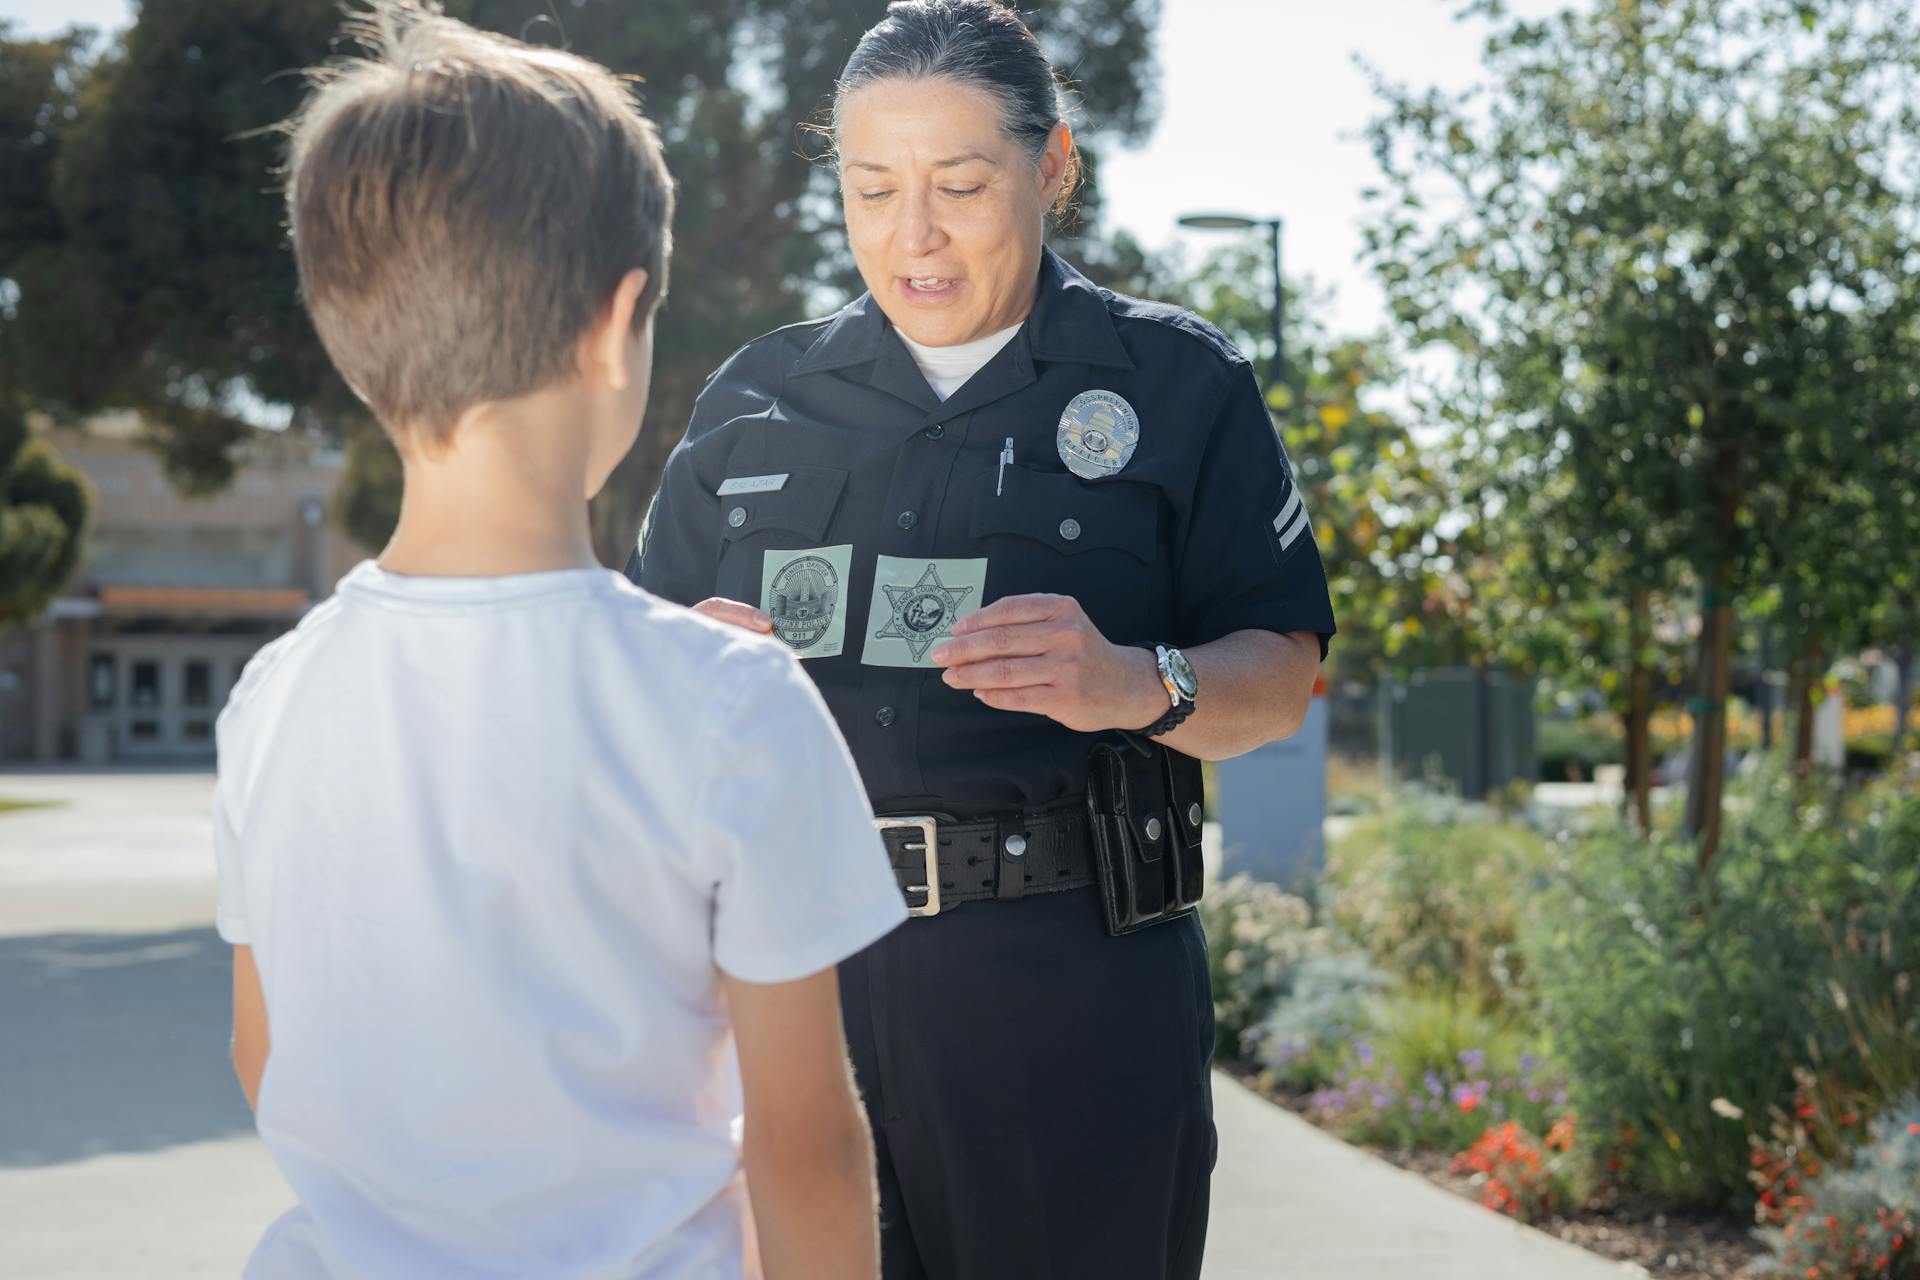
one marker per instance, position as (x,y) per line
(1273,805)
(1466,725)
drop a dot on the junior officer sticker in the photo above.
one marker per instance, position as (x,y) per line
(803,592)
(915,604)
(1097,435)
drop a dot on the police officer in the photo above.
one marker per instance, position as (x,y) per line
(1003,516)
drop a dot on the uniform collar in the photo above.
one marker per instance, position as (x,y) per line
(1069,323)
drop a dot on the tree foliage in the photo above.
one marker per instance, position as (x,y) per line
(1399,555)
(44,505)
(1673,249)
(147,253)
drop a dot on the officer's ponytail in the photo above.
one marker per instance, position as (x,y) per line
(981,43)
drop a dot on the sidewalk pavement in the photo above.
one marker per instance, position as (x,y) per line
(126,1149)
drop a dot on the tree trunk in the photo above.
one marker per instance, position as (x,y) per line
(1803,709)
(1707,774)
(1639,796)
(1902,702)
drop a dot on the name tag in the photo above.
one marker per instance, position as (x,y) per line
(751,484)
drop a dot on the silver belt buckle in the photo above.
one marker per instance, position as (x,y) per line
(930,844)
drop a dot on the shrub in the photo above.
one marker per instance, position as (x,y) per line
(1858,1220)
(1304,1041)
(1430,1072)
(1681,1004)
(1257,937)
(1518,1174)
(1433,889)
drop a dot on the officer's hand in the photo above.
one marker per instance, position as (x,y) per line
(1041,654)
(736,614)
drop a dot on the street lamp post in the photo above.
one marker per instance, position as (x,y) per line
(1240,222)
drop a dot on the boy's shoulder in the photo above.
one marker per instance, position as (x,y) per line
(694,635)
(274,656)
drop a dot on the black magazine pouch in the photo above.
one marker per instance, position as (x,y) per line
(1144,811)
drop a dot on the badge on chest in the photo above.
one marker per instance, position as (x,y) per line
(1097,434)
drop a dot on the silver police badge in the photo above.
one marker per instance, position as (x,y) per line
(1097,435)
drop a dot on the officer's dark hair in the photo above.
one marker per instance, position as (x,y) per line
(979,43)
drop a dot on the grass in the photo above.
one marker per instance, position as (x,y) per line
(8,806)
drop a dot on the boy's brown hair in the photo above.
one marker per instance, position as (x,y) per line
(463,206)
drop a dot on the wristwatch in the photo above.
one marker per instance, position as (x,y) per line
(1182,685)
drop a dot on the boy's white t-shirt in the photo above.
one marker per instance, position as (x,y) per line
(489,839)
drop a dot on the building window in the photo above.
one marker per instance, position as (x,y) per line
(145,731)
(146,687)
(198,731)
(199,684)
(103,681)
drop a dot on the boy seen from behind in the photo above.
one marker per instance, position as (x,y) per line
(509,848)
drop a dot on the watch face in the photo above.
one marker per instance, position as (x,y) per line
(1184,678)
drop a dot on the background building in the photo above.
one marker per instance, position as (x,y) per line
(136,658)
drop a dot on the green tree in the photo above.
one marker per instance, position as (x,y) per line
(44,505)
(149,268)
(1673,253)
(1396,544)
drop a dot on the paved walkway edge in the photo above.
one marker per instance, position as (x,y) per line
(1292,1202)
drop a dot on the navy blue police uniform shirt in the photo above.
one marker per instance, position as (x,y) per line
(825,437)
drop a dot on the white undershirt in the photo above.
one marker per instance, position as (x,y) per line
(947,369)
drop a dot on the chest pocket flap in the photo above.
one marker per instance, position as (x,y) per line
(1072,515)
(804,505)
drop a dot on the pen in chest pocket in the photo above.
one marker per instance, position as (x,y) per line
(1006,456)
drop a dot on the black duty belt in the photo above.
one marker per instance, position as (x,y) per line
(942,861)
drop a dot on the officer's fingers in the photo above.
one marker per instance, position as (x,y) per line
(1002,673)
(735,614)
(1034,700)
(1015,640)
(1012,611)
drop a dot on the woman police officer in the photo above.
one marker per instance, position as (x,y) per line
(1003,515)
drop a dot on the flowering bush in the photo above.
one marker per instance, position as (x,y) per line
(1306,1038)
(1669,994)
(1434,889)
(1257,939)
(1442,1109)
(1858,1221)
(1520,1175)
(1823,1125)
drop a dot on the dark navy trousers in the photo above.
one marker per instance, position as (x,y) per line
(1039,1092)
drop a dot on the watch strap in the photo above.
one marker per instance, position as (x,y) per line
(1176,715)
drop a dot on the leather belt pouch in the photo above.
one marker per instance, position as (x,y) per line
(1144,819)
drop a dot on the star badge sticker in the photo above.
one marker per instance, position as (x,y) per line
(922,613)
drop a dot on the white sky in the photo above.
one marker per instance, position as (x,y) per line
(1261,108)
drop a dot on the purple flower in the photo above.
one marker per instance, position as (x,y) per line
(1533,1095)
(1527,1063)
(1560,1098)
(1364,1052)
(1473,1059)
(1434,1085)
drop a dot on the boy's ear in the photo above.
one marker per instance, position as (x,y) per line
(602,355)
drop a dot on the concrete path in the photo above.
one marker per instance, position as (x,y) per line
(127,1151)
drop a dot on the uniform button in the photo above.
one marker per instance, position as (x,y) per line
(737,517)
(1153,828)
(937,430)
(1193,814)
(1069,529)
(1016,846)
(907,520)
(884,717)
